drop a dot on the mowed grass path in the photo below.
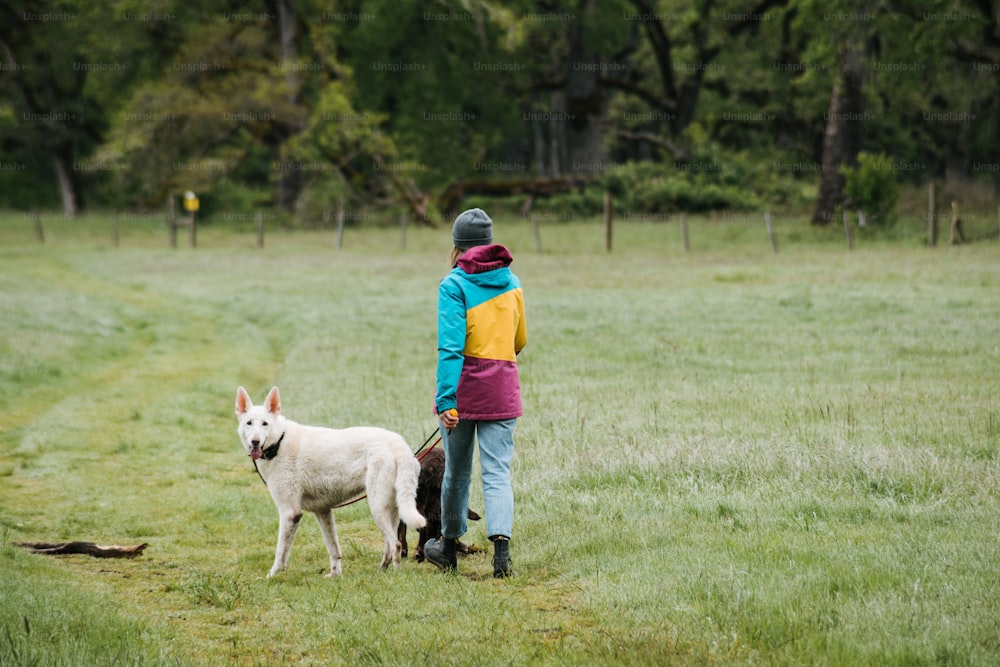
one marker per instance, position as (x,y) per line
(728,456)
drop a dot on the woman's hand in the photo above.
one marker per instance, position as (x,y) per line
(449,418)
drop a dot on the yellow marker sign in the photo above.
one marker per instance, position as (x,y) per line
(190,202)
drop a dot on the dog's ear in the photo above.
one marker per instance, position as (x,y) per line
(273,401)
(243,402)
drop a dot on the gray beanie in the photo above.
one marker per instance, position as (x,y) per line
(472,228)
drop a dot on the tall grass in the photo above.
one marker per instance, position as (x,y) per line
(728,455)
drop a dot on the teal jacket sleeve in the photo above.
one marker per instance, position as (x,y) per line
(451,343)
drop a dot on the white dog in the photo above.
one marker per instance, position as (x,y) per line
(315,469)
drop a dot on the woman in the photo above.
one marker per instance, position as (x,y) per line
(481,329)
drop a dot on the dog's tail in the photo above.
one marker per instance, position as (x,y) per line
(407,474)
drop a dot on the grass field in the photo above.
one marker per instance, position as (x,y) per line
(728,456)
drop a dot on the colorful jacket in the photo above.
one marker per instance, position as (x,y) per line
(481,328)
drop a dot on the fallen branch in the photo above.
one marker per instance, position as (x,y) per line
(86,548)
(417,201)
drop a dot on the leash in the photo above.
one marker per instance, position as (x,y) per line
(420,457)
(421,452)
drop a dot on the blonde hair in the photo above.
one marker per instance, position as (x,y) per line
(455,254)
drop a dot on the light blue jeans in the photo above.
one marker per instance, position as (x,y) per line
(496,449)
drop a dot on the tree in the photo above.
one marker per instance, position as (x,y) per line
(843,137)
(448,77)
(209,110)
(231,106)
(871,189)
(972,84)
(45,75)
(569,52)
(69,65)
(289,181)
(295,102)
(914,83)
(682,44)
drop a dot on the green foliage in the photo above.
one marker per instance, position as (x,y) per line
(690,187)
(344,143)
(179,96)
(448,79)
(871,187)
(231,199)
(574,205)
(208,115)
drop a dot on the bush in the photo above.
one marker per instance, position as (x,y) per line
(872,189)
(668,188)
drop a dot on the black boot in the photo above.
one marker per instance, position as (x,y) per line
(501,557)
(442,553)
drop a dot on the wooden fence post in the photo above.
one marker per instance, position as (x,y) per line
(932,229)
(172,221)
(848,231)
(536,229)
(260,228)
(770,231)
(402,228)
(684,232)
(340,223)
(955,232)
(608,220)
(39,229)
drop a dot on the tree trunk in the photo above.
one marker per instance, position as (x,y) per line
(571,138)
(996,151)
(556,136)
(957,161)
(539,147)
(996,142)
(69,187)
(844,134)
(582,135)
(290,181)
(289,53)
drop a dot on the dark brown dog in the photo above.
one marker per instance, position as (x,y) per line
(429,504)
